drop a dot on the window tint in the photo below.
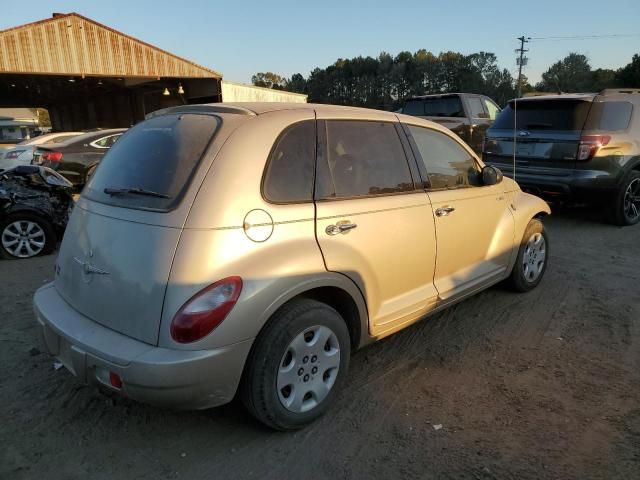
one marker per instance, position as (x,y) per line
(545,115)
(443,107)
(610,116)
(362,158)
(289,174)
(160,154)
(492,108)
(448,165)
(107,142)
(475,107)
(413,107)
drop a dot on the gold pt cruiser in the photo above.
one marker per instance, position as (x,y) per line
(249,248)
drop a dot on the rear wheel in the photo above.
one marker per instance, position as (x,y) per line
(297,365)
(626,205)
(531,262)
(25,235)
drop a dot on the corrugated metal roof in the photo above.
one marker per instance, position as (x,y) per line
(70,44)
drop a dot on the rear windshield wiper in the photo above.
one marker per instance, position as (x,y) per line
(134,191)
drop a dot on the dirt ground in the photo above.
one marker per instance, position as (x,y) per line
(541,385)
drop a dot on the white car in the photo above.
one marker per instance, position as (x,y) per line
(22,153)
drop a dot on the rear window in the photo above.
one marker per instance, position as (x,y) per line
(609,116)
(545,115)
(159,155)
(413,107)
(443,107)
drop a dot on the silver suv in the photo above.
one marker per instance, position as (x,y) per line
(253,247)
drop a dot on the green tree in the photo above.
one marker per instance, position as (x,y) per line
(571,74)
(268,80)
(629,75)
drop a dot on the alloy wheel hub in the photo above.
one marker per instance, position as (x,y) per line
(23,239)
(632,200)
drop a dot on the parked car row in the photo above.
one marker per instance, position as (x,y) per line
(252,247)
(581,148)
(72,154)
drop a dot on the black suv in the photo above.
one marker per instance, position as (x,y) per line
(578,147)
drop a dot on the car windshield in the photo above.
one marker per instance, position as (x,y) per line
(151,166)
(558,115)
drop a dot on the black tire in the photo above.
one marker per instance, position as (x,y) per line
(258,389)
(622,213)
(47,228)
(521,280)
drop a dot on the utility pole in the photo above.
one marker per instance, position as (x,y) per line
(522,60)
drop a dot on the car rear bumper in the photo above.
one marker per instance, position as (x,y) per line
(185,379)
(581,184)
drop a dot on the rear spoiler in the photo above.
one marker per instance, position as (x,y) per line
(210,109)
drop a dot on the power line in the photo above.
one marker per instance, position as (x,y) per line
(587,37)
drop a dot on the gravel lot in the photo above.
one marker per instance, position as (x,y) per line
(541,385)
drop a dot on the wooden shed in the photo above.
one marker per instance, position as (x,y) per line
(89,75)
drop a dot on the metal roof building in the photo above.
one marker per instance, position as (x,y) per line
(89,75)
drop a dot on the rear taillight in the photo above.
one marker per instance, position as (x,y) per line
(14,154)
(54,157)
(590,144)
(205,310)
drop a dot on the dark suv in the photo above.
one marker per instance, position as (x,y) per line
(468,115)
(573,147)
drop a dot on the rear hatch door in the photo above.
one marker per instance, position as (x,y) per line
(116,256)
(546,135)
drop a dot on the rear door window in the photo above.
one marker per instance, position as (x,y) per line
(106,142)
(159,155)
(609,116)
(558,115)
(289,174)
(362,159)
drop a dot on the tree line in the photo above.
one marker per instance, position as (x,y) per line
(384,82)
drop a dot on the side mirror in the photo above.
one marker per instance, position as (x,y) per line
(491,175)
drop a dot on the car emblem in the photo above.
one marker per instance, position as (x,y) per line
(523,133)
(88,270)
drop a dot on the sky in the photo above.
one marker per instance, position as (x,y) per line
(240,38)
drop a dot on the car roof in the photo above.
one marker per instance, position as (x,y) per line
(322,110)
(260,108)
(586,97)
(441,95)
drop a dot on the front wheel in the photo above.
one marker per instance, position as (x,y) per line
(297,365)
(531,262)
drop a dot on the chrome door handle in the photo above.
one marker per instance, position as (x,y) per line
(444,211)
(340,227)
